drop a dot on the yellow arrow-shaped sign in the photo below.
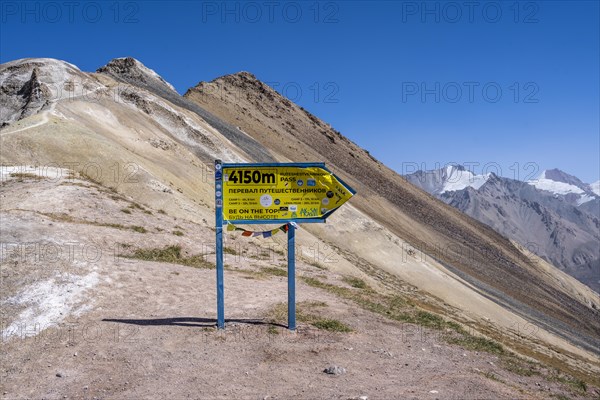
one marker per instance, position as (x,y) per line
(305,192)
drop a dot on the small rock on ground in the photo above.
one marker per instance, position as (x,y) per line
(335,370)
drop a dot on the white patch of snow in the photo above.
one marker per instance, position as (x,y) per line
(457,179)
(584,199)
(554,187)
(49,302)
(449,169)
(595,187)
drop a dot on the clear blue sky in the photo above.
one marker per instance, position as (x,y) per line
(385,74)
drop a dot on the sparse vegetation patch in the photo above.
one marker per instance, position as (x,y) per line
(25,175)
(171,254)
(400,309)
(476,343)
(230,250)
(576,385)
(355,282)
(309,312)
(331,325)
(275,271)
(519,368)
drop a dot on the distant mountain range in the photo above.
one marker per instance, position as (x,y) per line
(556,216)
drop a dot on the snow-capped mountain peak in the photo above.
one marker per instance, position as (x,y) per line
(458,178)
(562,184)
(558,176)
(450,178)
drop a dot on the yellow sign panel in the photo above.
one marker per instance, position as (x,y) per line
(281,192)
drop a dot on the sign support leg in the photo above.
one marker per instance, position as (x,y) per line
(219,244)
(220,288)
(291,277)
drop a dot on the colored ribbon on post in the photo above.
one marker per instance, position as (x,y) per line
(283,228)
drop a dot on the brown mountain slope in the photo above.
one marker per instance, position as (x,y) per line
(470,249)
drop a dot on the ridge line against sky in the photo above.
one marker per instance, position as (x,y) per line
(512,86)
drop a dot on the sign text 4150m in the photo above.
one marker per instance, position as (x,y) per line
(250,176)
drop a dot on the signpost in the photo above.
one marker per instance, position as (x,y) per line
(273,193)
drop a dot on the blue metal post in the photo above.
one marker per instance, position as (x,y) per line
(219,243)
(291,277)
